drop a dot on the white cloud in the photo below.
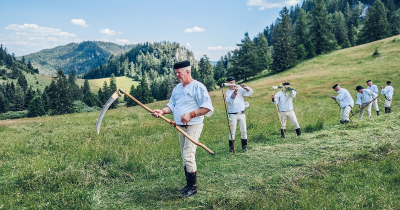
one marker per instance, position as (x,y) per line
(194,29)
(35,30)
(108,32)
(122,41)
(79,22)
(29,38)
(188,45)
(267,4)
(219,48)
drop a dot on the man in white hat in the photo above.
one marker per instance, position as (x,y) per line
(374,89)
(236,109)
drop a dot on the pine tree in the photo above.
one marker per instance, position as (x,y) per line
(206,73)
(19,99)
(376,25)
(284,56)
(86,86)
(36,107)
(63,101)
(130,102)
(244,60)
(22,81)
(113,88)
(3,103)
(263,57)
(143,93)
(323,38)
(29,95)
(219,70)
(340,28)
(393,18)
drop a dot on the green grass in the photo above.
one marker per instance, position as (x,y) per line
(60,162)
(43,80)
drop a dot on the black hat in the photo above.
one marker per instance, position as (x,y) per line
(368,81)
(230,79)
(359,87)
(388,82)
(335,86)
(286,83)
(181,64)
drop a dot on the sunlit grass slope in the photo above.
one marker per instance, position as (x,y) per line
(43,80)
(61,163)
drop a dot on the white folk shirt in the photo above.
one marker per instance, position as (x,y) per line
(285,102)
(345,98)
(373,88)
(189,98)
(365,97)
(237,104)
(388,92)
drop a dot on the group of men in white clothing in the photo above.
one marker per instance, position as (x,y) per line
(365,99)
(190,102)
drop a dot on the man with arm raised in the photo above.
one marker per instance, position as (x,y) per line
(189,103)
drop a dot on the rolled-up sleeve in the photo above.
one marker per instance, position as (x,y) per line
(229,100)
(247,93)
(204,100)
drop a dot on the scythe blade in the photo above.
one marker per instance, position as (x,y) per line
(113,97)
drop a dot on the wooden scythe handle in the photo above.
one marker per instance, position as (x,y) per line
(279,115)
(170,122)
(227,117)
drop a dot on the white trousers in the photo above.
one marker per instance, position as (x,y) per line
(242,125)
(388,103)
(188,148)
(368,110)
(375,104)
(292,117)
(344,113)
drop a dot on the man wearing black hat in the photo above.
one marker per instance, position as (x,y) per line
(236,106)
(388,92)
(284,99)
(189,102)
(374,89)
(364,100)
(346,103)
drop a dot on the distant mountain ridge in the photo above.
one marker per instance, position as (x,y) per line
(78,56)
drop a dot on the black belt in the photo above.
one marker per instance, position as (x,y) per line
(387,99)
(184,126)
(242,112)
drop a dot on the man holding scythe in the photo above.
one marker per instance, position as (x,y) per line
(189,103)
(236,109)
(374,89)
(365,98)
(346,103)
(284,100)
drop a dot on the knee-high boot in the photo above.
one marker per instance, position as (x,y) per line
(192,186)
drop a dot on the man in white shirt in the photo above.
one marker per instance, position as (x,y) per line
(374,89)
(236,109)
(388,92)
(284,99)
(364,101)
(189,102)
(346,103)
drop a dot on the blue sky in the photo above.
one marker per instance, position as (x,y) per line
(206,27)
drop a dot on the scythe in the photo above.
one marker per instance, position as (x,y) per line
(116,95)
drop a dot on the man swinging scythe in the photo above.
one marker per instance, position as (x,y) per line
(346,103)
(189,102)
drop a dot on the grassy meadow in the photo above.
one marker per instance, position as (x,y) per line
(43,80)
(60,162)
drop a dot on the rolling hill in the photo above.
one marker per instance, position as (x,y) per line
(78,56)
(135,163)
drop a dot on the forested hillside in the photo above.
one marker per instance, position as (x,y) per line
(80,57)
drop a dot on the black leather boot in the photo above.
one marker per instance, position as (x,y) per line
(298,131)
(283,133)
(192,186)
(377,113)
(185,187)
(231,145)
(244,144)
(389,109)
(341,122)
(386,110)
